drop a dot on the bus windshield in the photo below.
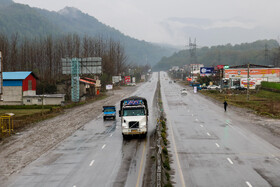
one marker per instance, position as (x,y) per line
(134,112)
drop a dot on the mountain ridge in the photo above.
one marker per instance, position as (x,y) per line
(35,22)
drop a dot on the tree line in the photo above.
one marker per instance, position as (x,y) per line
(42,55)
(262,52)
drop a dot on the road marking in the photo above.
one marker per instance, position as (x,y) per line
(91,163)
(277,159)
(74,186)
(217,145)
(201,125)
(248,184)
(229,160)
(103,146)
(208,134)
(141,165)
(177,159)
(196,119)
(192,114)
(111,135)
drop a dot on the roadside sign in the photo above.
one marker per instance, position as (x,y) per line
(109,87)
(226,67)
(127,79)
(206,70)
(195,89)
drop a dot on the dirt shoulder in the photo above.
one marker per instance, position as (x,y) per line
(19,150)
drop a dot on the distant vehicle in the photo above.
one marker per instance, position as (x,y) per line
(170,82)
(134,116)
(109,112)
(131,84)
(213,87)
(184,91)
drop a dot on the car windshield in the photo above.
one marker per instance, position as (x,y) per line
(134,112)
(109,110)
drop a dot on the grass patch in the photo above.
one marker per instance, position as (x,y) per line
(263,102)
(23,112)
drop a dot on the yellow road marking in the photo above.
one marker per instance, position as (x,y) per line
(141,165)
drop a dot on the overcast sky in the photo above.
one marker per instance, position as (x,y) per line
(175,21)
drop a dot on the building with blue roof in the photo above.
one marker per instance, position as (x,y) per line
(19,88)
(17,84)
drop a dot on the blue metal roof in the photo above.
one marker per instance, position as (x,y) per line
(17,75)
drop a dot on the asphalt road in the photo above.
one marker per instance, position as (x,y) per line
(210,147)
(95,155)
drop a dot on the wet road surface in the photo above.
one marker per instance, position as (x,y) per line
(95,155)
(211,148)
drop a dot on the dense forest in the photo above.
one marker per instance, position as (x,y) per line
(262,52)
(33,22)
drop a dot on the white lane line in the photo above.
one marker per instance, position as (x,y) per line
(217,145)
(74,186)
(111,135)
(196,119)
(208,134)
(192,114)
(201,125)
(248,184)
(277,159)
(229,160)
(91,163)
(103,146)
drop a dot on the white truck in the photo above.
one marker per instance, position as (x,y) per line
(134,116)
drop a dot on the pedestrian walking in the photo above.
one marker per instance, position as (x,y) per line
(225,105)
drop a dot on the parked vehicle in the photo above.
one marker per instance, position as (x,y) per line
(109,112)
(134,116)
(213,87)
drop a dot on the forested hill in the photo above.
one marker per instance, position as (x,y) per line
(253,53)
(29,22)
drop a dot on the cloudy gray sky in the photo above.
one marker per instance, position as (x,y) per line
(211,22)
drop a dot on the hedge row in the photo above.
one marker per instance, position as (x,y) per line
(271,85)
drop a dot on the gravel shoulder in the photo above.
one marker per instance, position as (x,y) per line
(20,150)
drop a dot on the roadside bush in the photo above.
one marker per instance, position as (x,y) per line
(271,85)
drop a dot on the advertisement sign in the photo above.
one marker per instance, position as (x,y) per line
(116,79)
(264,72)
(195,89)
(127,79)
(133,79)
(220,66)
(206,70)
(109,87)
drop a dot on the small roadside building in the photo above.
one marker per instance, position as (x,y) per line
(16,85)
(19,88)
(238,75)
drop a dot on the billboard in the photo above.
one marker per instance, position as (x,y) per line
(206,70)
(109,87)
(127,79)
(89,65)
(116,79)
(267,74)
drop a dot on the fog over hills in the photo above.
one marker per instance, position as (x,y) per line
(34,22)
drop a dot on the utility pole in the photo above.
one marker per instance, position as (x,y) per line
(248,81)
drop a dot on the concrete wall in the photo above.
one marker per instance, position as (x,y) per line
(55,99)
(12,94)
